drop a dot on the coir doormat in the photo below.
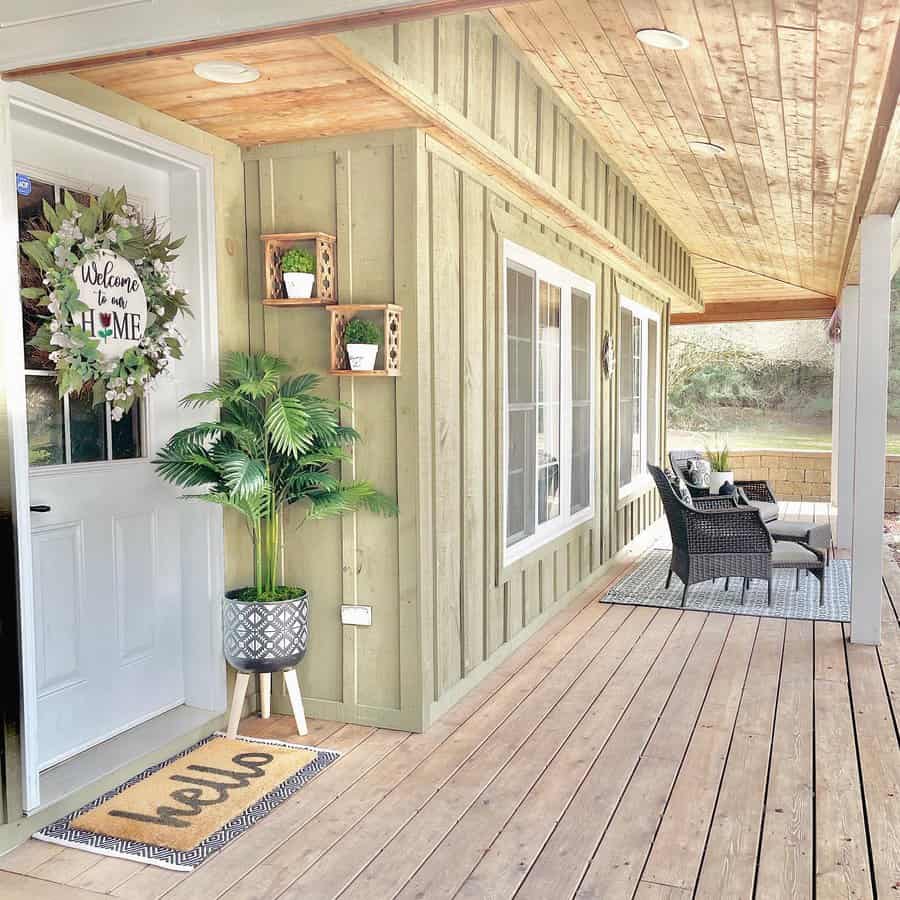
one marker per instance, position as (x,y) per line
(180,812)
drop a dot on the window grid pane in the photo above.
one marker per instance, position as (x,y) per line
(652,391)
(521,405)
(549,400)
(581,402)
(636,406)
(626,394)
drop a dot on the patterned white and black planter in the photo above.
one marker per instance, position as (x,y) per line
(265,637)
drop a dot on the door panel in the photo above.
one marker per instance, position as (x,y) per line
(59,597)
(136,584)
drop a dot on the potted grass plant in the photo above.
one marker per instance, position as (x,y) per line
(361,340)
(297,268)
(722,473)
(273,448)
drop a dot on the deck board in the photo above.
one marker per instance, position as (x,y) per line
(786,849)
(620,752)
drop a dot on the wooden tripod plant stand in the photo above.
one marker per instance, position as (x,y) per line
(265,699)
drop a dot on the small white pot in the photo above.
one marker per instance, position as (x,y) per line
(299,285)
(362,356)
(717,479)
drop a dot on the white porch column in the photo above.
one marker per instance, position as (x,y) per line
(873,342)
(843,417)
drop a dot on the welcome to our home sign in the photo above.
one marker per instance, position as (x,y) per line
(117,304)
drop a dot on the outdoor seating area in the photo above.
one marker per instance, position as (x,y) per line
(727,536)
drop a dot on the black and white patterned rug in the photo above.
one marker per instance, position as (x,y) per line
(646,586)
(61,832)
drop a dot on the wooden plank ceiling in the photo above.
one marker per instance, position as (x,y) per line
(791,90)
(303,92)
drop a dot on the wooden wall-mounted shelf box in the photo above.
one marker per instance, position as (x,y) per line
(325,287)
(389,317)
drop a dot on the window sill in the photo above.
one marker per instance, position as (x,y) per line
(513,556)
(634,489)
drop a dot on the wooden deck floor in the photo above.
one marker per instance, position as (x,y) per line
(622,752)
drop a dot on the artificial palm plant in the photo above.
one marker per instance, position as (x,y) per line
(275,445)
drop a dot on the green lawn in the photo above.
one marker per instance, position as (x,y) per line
(774,438)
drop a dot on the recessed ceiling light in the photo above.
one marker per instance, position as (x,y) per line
(226,72)
(662,39)
(706,148)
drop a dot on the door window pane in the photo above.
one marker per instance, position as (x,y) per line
(31,216)
(126,435)
(46,422)
(88,427)
(70,429)
(581,401)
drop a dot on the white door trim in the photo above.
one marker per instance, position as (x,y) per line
(204,666)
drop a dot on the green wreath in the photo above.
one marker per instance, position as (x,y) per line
(79,232)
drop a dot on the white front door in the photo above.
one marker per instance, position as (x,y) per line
(106,533)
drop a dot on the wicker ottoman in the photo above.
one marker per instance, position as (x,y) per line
(816,535)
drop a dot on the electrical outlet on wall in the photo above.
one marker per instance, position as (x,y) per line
(356,615)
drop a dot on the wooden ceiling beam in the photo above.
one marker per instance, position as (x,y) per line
(878,149)
(313,28)
(768,310)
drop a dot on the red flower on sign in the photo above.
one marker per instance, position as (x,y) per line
(105,319)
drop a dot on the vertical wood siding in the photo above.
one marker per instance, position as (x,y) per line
(363,190)
(419,227)
(477,605)
(468,65)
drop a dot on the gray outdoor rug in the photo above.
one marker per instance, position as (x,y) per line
(646,586)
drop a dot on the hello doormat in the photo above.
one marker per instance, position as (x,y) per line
(180,812)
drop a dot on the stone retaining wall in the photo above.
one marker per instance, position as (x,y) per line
(805,474)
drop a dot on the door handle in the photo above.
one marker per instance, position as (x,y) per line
(40,507)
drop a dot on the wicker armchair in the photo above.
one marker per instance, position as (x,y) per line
(749,493)
(714,538)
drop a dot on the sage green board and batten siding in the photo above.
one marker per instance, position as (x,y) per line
(363,190)
(422,228)
(474,606)
(468,65)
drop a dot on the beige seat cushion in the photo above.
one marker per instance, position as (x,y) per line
(787,554)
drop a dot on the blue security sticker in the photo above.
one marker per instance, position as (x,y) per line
(23,184)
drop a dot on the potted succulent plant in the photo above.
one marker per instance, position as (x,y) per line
(272,449)
(298,267)
(721,473)
(361,340)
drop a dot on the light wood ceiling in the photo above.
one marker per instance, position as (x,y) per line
(723,283)
(789,88)
(303,92)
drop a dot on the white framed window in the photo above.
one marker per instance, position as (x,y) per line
(548,400)
(639,394)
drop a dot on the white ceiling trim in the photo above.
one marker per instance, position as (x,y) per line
(71,29)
